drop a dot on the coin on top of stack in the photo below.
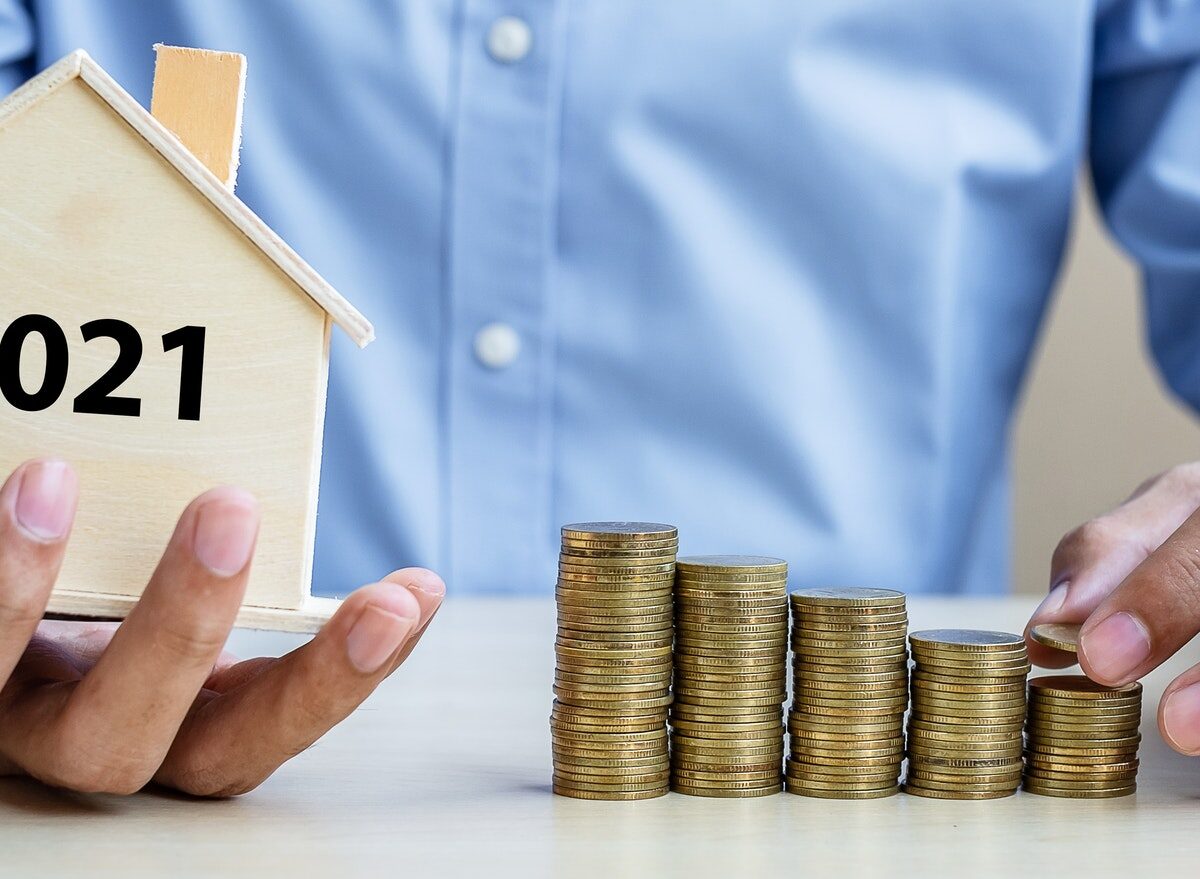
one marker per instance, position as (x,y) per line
(849,692)
(612,673)
(968,711)
(1081,738)
(731,630)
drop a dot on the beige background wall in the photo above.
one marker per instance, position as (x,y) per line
(1096,419)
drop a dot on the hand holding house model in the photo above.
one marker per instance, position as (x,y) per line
(155,332)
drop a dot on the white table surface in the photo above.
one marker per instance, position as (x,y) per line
(446,771)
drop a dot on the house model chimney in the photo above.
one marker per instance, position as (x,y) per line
(198,96)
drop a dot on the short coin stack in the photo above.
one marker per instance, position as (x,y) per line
(730,675)
(849,692)
(1081,738)
(612,675)
(968,710)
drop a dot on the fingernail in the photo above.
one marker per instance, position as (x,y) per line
(375,636)
(1053,602)
(226,528)
(46,499)
(435,588)
(1116,647)
(1181,719)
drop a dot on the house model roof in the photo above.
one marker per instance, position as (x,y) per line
(79,65)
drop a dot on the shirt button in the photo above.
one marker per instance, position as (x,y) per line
(509,39)
(497,345)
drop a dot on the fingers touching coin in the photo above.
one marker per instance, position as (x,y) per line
(1093,560)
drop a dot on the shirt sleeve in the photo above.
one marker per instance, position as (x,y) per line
(16,45)
(1145,158)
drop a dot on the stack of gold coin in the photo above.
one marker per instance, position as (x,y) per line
(612,675)
(1081,738)
(968,710)
(849,692)
(730,675)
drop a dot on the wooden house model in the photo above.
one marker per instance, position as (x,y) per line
(156,333)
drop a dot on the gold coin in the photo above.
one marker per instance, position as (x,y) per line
(1061,733)
(595,578)
(726,770)
(617,542)
(854,617)
(973,786)
(1086,792)
(693,791)
(697,698)
(627,702)
(804,701)
(800,787)
(725,632)
(734,762)
(846,767)
(933,708)
(847,596)
(862,644)
(1086,766)
(610,795)
(741,616)
(606,563)
(732,680)
(772,774)
(1012,767)
(961,689)
(619,531)
(704,728)
(847,726)
(876,778)
(732,564)
(566,756)
(719,755)
(965,763)
(968,751)
(578,773)
(981,738)
(933,793)
(641,549)
(612,764)
(967,640)
(691,785)
(640,738)
(895,751)
(1059,636)
(805,783)
(619,788)
(1087,714)
(700,714)
(828,763)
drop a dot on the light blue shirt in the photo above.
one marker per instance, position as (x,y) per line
(774,268)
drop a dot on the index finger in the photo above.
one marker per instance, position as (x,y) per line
(1150,615)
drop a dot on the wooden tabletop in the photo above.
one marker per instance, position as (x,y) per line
(446,772)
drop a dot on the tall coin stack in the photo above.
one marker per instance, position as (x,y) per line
(968,710)
(1081,738)
(730,675)
(612,676)
(849,692)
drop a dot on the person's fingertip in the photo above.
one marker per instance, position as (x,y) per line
(226,530)
(1179,719)
(44,507)
(1112,650)
(420,580)
(376,636)
(1052,603)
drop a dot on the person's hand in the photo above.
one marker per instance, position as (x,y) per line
(1132,578)
(107,708)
